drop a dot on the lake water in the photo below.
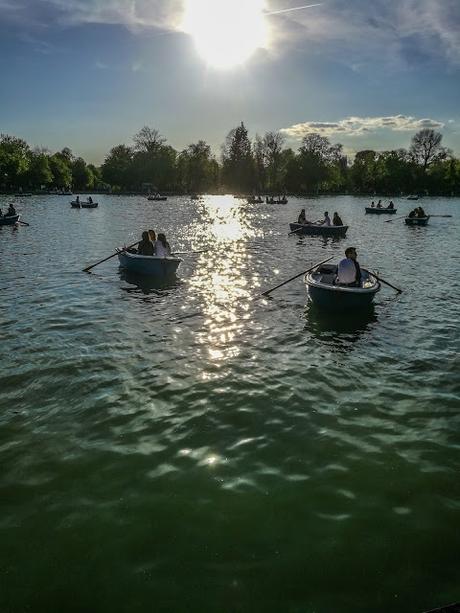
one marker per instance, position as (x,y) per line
(195,447)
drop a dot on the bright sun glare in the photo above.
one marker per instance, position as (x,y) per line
(226,32)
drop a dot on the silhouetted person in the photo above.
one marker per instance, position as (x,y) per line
(145,247)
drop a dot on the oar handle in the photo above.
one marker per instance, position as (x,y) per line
(88,268)
(296,276)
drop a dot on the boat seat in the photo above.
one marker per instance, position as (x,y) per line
(328,269)
(328,278)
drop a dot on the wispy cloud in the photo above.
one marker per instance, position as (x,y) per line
(358,126)
(357,31)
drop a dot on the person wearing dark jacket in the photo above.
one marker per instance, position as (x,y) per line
(145,247)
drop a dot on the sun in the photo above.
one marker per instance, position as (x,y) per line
(226,32)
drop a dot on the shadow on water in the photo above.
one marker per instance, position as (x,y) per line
(147,285)
(342,328)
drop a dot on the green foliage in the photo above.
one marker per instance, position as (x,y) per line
(61,171)
(39,172)
(263,166)
(14,160)
(196,168)
(238,170)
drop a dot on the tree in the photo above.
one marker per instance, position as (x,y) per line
(39,172)
(14,159)
(273,146)
(363,171)
(237,161)
(426,148)
(117,169)
(61,171)
(81,175)
(196,168)
(317,159)
(148,140)
(260,173)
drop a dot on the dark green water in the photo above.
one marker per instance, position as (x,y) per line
(194,447)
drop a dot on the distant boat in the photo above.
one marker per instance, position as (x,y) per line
(413,197)
(9,220)
(271,200)
(417,221)
(148,264)
(195,197)
(380,211)
(157,198)
(318,230)
(325,294)
(76,204)
(254,200)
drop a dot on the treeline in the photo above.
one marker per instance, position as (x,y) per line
(261,165)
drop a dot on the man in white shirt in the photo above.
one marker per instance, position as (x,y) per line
(349,271)
(327,219)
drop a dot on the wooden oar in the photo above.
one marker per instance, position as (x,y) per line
(394,218)
(382,281)
(88,268)
(189,252)
(440,215)
(24,223)
(295,231)
(296,276)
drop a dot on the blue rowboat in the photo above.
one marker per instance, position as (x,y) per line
(148,264)
(318,230)
(326,295)
(417,221)
(9,220)
(382,211)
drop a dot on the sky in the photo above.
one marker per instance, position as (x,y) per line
(89,74)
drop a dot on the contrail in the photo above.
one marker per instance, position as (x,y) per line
(296,8)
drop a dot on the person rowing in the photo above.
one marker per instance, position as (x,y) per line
(379,204)
(349,271)
(327,220)
(145,246)
(302,219)
(11,211)
(391,205)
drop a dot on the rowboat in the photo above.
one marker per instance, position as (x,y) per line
(413,197)
(279,201)
(318,230)
(9,220)
(254,200)
(382,211)
(148,264)
(157,198)
(326,295)
(417,221)
(84,205)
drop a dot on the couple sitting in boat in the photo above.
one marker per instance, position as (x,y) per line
(418,212)
(153,245)
(379,205)
(336,221)
(10,212)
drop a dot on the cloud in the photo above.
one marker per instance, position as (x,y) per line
(396,33)
(357,126)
